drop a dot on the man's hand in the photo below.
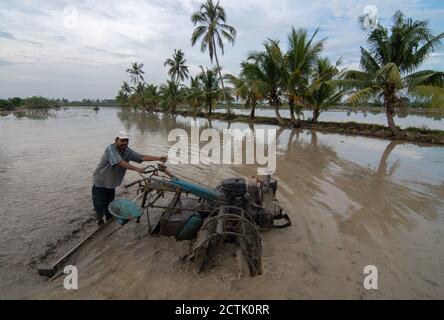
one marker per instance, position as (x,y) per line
(141,170)
(154,158)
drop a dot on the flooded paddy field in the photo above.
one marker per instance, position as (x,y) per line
(403,120)
(353,202)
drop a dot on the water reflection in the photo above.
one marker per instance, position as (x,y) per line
(381,171)
(381,198)
(364,202)
(341,191)
(403,118)
(145,121)
(35,114)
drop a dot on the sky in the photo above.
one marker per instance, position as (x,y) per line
(81,49)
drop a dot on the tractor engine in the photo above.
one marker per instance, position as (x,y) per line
(257,197)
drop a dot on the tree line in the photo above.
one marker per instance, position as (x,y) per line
(34,102)
(39,102)
(296,72)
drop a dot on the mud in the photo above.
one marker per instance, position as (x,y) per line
(411,134)
(353,202)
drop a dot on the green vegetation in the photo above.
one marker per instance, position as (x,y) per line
(38,102)
(388,67)
(204,88)
(35,102)
(298,76)
(300,60)
(247,88)
(178,70)
(212,29)
(10,104)
(208,85)
(171,94)
(294,75)
(321,94)
(88,102)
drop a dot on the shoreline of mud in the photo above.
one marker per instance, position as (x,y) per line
(434,137)
(371,109)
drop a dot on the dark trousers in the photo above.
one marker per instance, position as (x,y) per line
(102,197)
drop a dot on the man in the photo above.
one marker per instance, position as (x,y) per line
(110,172)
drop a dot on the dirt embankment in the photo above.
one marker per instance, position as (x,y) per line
(354,128)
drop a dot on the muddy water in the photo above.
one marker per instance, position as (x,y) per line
(353,202)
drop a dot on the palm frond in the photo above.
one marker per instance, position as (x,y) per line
(198,33)
(434,93)
(389,73)
(357,75)
(425,77)
(350,84)
(368,63)
(430,46)
(363,95)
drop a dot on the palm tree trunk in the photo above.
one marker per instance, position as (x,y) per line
(291,105)
(221,80)
(301,104)
(316,113)
(276,111)
(210,106)
(390,111)
(253,108)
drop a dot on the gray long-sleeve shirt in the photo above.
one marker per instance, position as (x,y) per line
(108,173)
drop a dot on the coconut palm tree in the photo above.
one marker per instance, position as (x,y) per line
(268,68)
(212,30)
(210,87)
(124,93)
(139,97)
(193,94)
(389,63)
(248,89)
(178,71)
(136,73)
(240,87)
(139,88)
(152,96)
(300,60)
(321,93)
(171,94)
(126,89)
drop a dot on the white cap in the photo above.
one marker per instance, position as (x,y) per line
(122,135)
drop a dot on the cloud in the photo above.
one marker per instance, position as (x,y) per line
(6,35)
(4,62)
(72,42)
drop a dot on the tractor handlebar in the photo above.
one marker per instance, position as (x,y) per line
(150,169)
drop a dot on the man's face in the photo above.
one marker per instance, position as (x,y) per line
(122,144)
